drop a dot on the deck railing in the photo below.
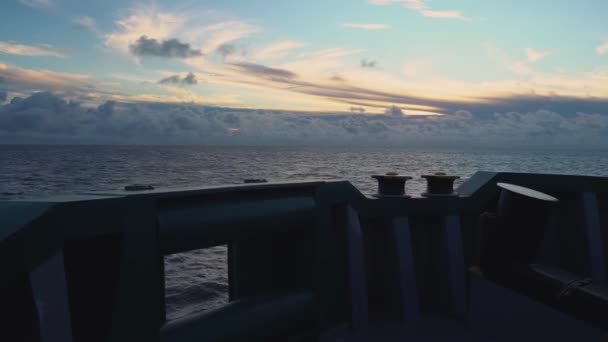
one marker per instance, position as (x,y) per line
(301,257)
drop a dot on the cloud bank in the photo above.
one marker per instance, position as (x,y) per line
(47,118)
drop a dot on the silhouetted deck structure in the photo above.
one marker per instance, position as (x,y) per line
(308,261)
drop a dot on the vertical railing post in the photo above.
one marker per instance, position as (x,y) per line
(595,242)
(402,236)
(456,265)
(50,292)
(139,307)
(358,269)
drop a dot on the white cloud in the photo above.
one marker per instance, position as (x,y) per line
(37,3)
(211,36)
(418,67)
(277,50)
(443,14)
(367,26)
(520,67)
(22,80)
(331,53)
(516,66)
(29,50)
(204,31)
(602,48)
(535,55)
(148,21)
(422,8)
(413,4)
(85,22)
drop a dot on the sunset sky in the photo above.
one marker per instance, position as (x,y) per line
(459,58)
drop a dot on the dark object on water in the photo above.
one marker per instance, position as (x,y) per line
(440,184)
(391,185)
(139,187)
(255,180)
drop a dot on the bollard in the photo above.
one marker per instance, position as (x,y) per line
(440,184)
(391,185)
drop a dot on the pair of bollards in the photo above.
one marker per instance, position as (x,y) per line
(393,185)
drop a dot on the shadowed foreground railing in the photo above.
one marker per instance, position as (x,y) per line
(306,260)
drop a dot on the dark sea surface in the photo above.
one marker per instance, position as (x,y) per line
(198,280)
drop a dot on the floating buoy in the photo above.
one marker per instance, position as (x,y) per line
(255,180)
(139,187)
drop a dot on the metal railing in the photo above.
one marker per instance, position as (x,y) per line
(288,254)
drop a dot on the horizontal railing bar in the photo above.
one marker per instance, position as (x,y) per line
(211,224)
(388,208)
(255,319)
(169,193)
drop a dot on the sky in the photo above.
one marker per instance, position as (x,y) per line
(311,72)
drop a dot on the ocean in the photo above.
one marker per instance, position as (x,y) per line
(197,280)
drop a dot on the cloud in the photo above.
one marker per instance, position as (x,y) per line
(368,64)
(394,111)
(535,55)
(144,21)
(422,8)
(516,66)
(368,26)
(189,79)
(330,53)
(85,23)
(3,96)
(443,14)
(45,117)
(171,48)
(175,79)
(25,81)
(602,48)
(259,70)
(225,50)
(415,4)
(205,31)
(29,50)
(211,36)
(277,50)
(418,67)
(38,3)
(337,78)
(357,110)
